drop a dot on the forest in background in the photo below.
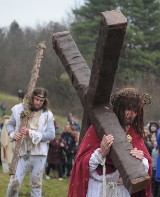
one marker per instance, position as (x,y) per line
(139,64)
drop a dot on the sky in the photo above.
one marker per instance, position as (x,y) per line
(32,12)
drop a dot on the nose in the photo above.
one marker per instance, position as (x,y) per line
(130,113)
(38,102)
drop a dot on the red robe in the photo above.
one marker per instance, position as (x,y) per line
(80,171)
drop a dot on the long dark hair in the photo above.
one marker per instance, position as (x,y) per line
(130,103)
(41,92)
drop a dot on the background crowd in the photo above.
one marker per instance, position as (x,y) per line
(63,148)
(152,142)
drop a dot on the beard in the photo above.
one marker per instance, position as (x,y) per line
(33,108)
(128,121)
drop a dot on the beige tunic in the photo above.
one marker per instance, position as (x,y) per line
(6,145)
(32,124)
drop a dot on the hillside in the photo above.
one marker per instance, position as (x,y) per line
(10,101)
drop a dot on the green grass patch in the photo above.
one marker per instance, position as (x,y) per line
(50,188)
(9,100)
(61,121)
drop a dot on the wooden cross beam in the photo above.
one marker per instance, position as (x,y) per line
(94,89)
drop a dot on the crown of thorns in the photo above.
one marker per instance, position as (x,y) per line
(130,93)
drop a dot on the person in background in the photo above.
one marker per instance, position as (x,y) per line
(147,140)
(3,108)
(7,147)
(20,94)
(154,155)
(70,148)
(1,123)
(75,133)
(38,131)
(157,175)
(73,122)
(54,157)
(151,144)
(1,126)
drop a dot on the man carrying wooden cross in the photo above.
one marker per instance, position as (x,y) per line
(36,133)
(94,173)
(30,127)
(94,88)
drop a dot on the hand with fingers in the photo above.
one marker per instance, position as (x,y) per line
(25,131)
(137,154)
(17,136)
(106,143)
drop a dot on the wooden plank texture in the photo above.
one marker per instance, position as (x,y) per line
(94,89)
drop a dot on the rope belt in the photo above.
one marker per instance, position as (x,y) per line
(109,188)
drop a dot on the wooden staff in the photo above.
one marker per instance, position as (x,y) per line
(25,115)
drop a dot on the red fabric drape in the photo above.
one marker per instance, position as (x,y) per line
(80,171)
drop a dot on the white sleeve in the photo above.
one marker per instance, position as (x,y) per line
(145,164)
(96,159)
(35,136)
(11,134)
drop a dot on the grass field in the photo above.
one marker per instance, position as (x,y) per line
(51,188)
(9,100)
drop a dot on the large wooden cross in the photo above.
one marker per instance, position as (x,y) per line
(94,89)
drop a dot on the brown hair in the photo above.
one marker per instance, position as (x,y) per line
(42,92)
(124,103)
(131,99)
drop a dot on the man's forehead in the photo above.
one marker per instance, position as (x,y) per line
(39,98)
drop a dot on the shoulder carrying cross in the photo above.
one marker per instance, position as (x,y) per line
(94,89)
